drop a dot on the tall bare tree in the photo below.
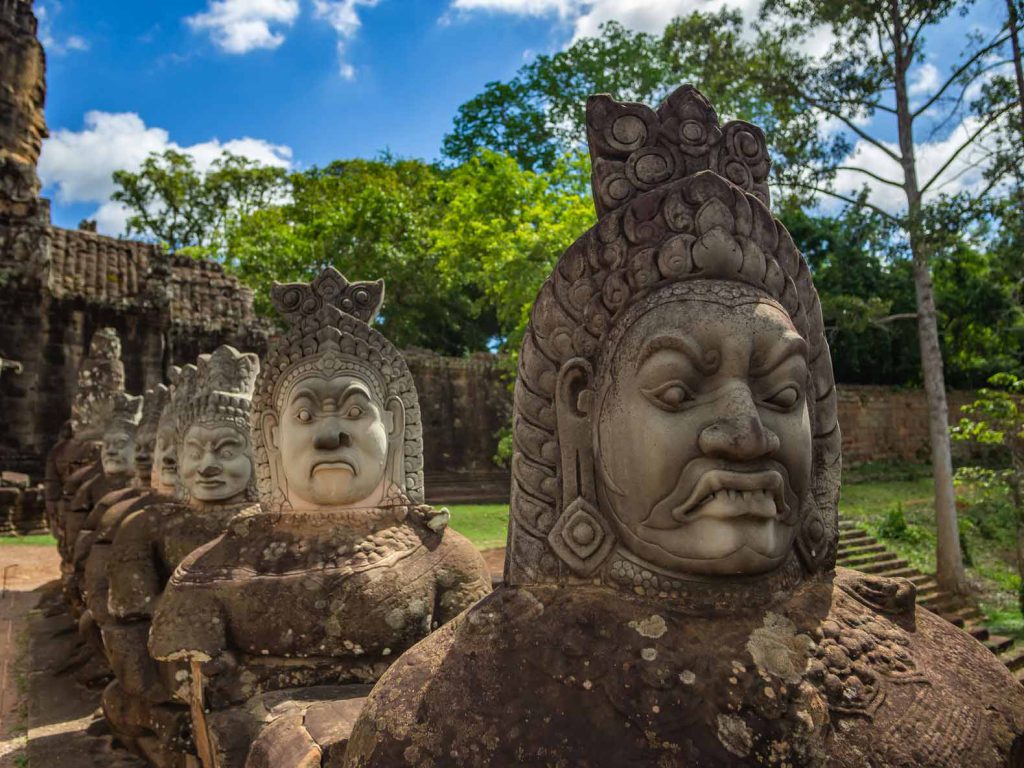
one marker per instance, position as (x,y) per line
(864,83)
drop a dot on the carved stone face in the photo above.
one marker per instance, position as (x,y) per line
(332,439)
(703,436)
(145,445)
(164,474)
(118,450)
(215,463)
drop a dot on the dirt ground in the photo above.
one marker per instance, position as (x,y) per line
(50,695)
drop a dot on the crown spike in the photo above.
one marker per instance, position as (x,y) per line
(295,301)
(634,149)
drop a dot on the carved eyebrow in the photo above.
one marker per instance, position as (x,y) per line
(236,439)
(791,345)
(706,363)
(306,393)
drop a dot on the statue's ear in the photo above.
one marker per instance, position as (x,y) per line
(268,424)
(394,422)
(580,536)
(394,416)
(574,399)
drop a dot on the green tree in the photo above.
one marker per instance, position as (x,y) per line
(503,228)
(996,417)
(868,76)
(172,202)
(539,115)
(369,219)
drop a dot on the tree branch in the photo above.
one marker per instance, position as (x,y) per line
(884,321)
(853,127)
(846,199)
(970,140)
(873,175)
(957,73)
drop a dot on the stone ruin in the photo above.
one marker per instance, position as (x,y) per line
(670,593)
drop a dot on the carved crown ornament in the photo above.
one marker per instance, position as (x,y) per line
(635,149)
(676,219)
(218,390)
(330,332)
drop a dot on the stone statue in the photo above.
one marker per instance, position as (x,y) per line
(154,450)
(100,374)
(124,412)
(215,471)
(303,603)
(670,595)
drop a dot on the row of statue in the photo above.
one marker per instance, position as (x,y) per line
(249,551)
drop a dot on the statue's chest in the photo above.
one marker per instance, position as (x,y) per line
(184,531)
(332,609)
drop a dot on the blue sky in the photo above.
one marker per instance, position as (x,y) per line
(295,82)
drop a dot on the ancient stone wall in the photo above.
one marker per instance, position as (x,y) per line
(465,402)
(886,423)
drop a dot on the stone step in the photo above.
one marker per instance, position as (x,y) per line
(928,597)
(885,568)
(962,616)
(998,644)
(904,572)
(845,525)
(923,581)
(1014,659)
(979,632)
(858,561)
(860,549)
(864,541)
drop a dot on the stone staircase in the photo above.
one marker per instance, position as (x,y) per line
(864,553)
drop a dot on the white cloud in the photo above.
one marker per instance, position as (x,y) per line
(651,16)
(45,14)
(343,16)
(78,165)
(923,80)
(965,173)
(240,26)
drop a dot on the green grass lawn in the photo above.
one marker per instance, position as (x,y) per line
(900,513)
(486,525)
(17,541)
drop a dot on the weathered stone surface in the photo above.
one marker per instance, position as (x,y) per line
(341,568)
(22,70)
(670,592)
(214,469)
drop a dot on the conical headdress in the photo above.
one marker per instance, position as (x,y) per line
(217,390)
(681,199)
(100,377)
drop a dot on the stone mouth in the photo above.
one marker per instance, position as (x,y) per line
(725,494)
(336,464)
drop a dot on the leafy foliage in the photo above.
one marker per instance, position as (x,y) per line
(172,202)
(996,417)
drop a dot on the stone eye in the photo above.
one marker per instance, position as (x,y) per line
(355,412)
(669,396)
(304,415)
(785,398)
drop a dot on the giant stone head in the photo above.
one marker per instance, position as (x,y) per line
(336,418)
(675,414)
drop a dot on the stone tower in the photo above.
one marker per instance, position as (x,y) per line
(22,124)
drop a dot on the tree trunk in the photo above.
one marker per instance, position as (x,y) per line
(949,567)
(1011,9)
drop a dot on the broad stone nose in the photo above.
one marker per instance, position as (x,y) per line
(737,432)
(331,435)
(209,466)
